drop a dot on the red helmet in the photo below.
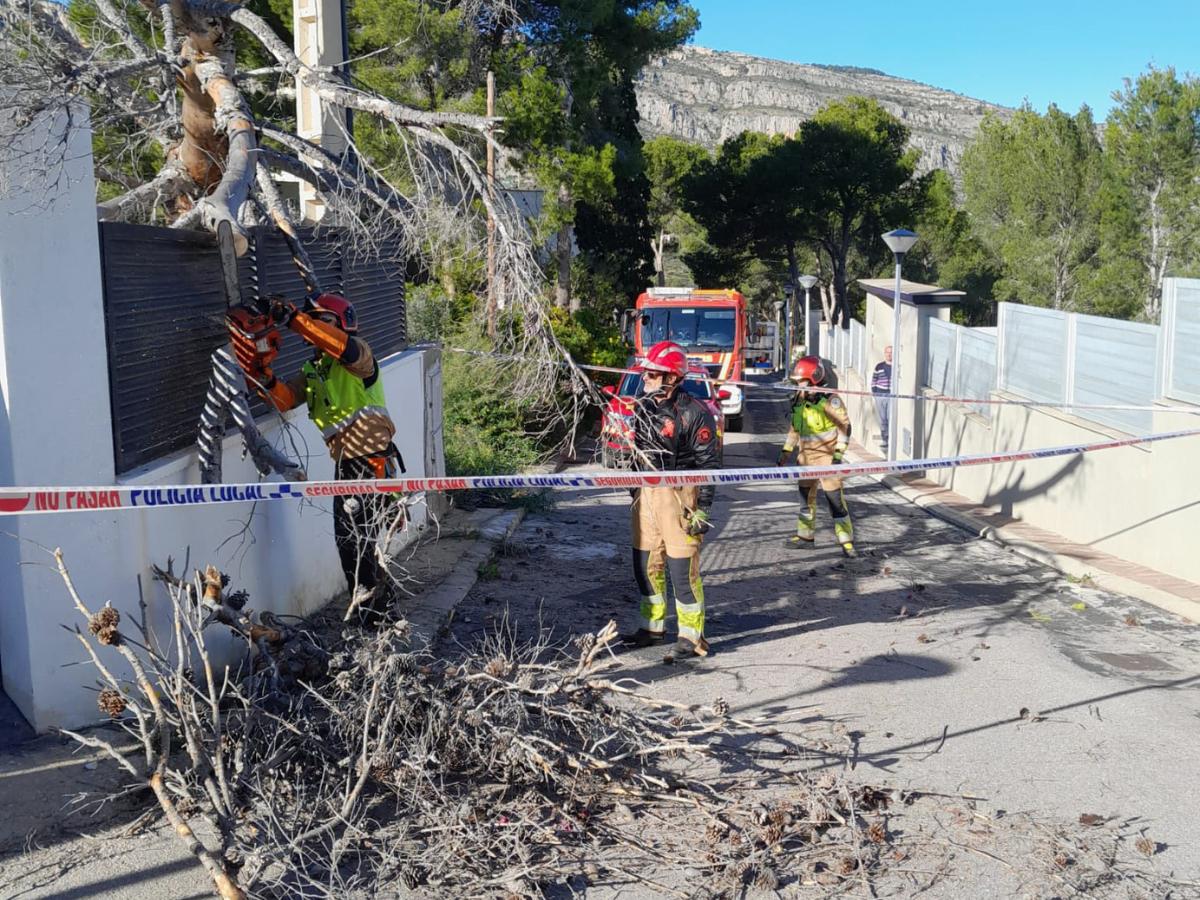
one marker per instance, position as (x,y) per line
(338,307)
(665,356)
(809,368)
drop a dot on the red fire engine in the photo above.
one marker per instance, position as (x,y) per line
(709,324)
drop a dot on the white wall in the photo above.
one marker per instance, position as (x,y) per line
(56,430)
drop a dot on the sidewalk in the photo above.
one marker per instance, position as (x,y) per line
(1076,560)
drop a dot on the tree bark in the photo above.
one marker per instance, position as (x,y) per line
(562,253)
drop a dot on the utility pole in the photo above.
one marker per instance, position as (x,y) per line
(491,222)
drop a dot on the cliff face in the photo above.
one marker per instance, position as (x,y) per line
(707,96)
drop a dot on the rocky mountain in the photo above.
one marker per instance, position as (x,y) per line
(708,95)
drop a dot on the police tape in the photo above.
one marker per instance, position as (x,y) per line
(34,501)
(924,398)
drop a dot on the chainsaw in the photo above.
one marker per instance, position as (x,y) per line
(253,329)
(254,335)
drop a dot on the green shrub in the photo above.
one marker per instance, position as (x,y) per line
(484,428)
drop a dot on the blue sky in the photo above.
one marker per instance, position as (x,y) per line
(1066,52)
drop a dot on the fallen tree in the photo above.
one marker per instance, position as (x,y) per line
(325,761)
(179,137)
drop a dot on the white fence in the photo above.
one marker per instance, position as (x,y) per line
(961,362)
(1070,358)
(846,348)
(1181,339)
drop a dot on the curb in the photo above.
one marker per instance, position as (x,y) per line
(435,608)
(1068,565)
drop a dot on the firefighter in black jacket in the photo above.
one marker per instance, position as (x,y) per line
(672,431)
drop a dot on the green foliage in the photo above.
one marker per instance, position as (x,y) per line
(1150,203)
(668,162)
(588,338)
(421,54)
(861,177)
(485,428)
(949,254)
(571,115)
(768,202)
(1031,184)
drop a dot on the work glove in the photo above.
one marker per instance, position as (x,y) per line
(697,522)
(784,455)
(282,312)
(838,454)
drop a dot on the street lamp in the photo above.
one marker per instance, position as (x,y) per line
(807,282)
(899,242)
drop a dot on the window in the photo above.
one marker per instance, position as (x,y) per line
(690,327)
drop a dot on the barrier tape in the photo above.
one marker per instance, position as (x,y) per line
(928,398)
(34,501)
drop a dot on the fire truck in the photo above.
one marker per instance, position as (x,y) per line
(709,324)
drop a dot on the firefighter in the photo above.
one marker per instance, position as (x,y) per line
(820,430)
(672,431)
(342,388)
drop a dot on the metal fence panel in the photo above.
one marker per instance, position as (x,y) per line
(939,371)
(976,368)
(1035,352)
(1099,343)
(1181,324)
(858,341)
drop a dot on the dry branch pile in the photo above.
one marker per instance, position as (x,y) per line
(325,761)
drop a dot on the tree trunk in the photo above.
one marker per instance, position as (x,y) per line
(841,302)
(658,248)
(1157,264)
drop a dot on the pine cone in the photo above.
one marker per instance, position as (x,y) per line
(497,667)
(847,865)
(111,702)
(877,833)
(236,600)
(104,626)
(721,707)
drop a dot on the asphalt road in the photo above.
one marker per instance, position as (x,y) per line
(938,661)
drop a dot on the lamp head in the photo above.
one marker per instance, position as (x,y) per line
(900,241)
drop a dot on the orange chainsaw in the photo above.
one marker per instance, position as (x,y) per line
(254,336)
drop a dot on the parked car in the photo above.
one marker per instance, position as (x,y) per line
(616,434)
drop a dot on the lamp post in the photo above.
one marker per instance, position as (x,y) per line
(899,242)
(807,282)
(777,350)
(789,289)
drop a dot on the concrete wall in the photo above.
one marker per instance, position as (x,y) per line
(1141,504)
(56,430)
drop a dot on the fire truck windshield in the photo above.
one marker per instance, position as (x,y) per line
(690,327)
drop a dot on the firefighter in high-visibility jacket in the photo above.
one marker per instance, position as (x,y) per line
(819,434)
(343,390)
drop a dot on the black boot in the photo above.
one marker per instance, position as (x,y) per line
(644,638)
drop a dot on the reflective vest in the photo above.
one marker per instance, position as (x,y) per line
(811,420)
(336,398)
